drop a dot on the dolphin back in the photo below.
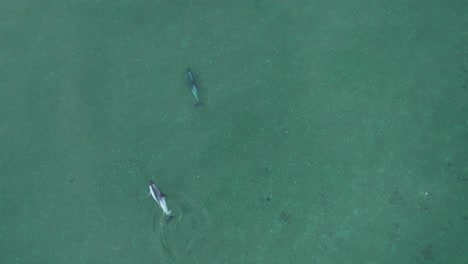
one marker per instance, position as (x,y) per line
(190,78)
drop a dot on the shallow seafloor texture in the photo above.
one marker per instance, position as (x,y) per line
(331,132)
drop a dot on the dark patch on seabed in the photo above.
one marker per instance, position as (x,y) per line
(426,254)
(285,217)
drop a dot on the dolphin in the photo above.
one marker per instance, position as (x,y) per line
(193,87)
(159,197)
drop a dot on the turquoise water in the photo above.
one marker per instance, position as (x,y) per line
(332,131)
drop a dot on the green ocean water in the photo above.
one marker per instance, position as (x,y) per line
(331,131)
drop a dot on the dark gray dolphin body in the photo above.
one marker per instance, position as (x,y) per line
(193,87)
(159,197)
